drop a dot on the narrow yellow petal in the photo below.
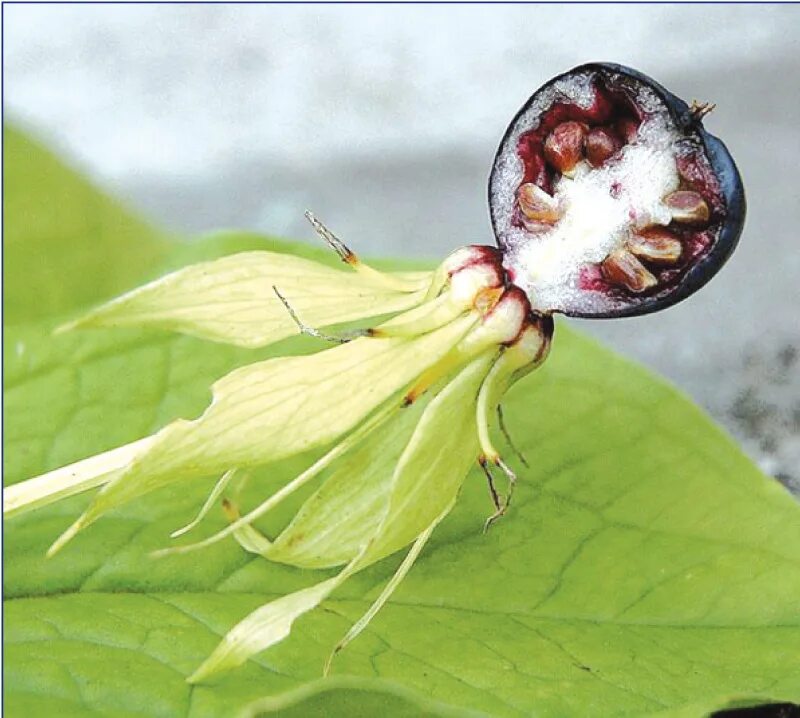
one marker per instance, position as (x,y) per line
(252,540)
(263,628)
(525,355)
(231,299)
(70,480)
(489,396)
(248,537)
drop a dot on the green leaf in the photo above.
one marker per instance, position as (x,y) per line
(353,696)
(645,567)
(65,243)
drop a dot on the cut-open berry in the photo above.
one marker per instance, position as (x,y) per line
(609,198)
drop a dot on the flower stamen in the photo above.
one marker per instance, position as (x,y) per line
(316,333)
(351,259)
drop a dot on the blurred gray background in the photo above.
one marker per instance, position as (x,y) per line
(384,121)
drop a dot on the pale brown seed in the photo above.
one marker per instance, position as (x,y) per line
(687,207)
(624,270)
(656,245)
(601,143)
(563,148)
(536,204)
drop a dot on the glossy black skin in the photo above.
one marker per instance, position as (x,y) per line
(723,166)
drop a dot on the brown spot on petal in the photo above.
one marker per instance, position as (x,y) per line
(563,148)
(295,539)
(230,509)
(687,207)
(656,245)
(624,270)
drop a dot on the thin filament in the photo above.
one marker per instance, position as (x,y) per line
(390,587)
(219,487)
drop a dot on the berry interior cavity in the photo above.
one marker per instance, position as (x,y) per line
(603,195)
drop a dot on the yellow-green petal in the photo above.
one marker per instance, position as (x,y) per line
(276,408)
(232,299)
(335,522)
(432,468)
(264,627)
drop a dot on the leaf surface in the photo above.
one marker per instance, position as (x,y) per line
(646,566)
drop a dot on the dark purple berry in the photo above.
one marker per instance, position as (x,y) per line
(608,197)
